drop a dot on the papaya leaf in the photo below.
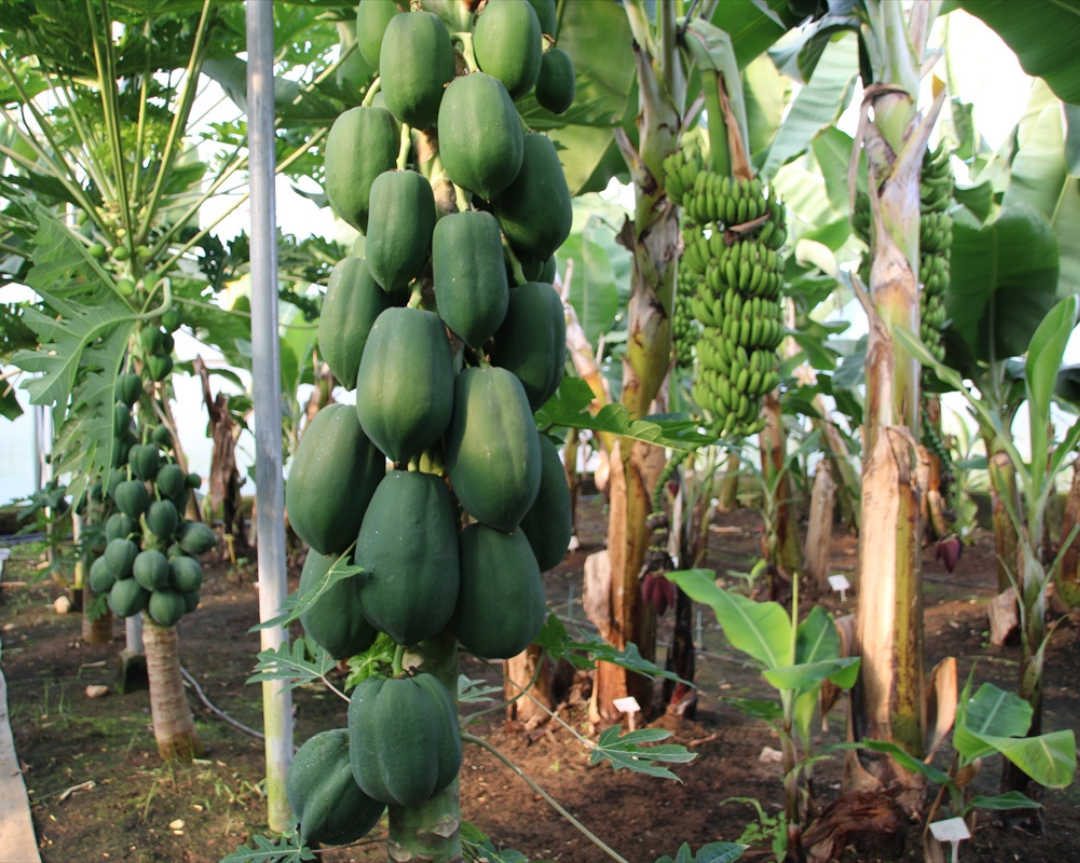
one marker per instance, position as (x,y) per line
(372,662)
(566,409)
(474,691)
(477,847)
(290,848)
(290,663)
(296,605)
(627,753)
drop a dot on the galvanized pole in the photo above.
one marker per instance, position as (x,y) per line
(266,380)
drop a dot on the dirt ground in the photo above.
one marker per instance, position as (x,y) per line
(127,807)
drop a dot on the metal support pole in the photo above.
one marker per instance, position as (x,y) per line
(266,380)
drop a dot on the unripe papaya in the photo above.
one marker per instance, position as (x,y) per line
(101,577)
(333,475)
(556,85)
(120,556)
(151,570)
(492,448)
(195,538)
(500,607)
(128,388)
(534,210)
(508,42)
(404,739)
(336,620)
(166,607)
(401,221)
(159,366)
(531,342)
(191,600)
(162,518)
(416,62)
(120,526)
(145,461)
(548,525)
(353,301)
(171,481)
(480,139)
(547,13)
(185,574)
(128,597)
(405,386)
(470,279)
(363,143)
(372,17)
(408,549)
(121,419)
(324,797)
(162,437)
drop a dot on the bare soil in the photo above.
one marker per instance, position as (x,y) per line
(134,807)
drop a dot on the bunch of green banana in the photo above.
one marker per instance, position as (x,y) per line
(731,234)
(935,243)
(684,329)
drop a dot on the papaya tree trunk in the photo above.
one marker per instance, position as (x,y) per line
(174,728)
(432,832)
(887,702)
(653,241)
(95,630)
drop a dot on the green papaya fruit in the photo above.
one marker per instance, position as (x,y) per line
(116,476)
(470,279)
(333,475)
(159,366)
(121,419)
(120,526)
(404,739)
(328,804)
(101,577)
(162,518)
(548,525)
(507,42)
(171,320)
(402,218)
(336,620)
(151,569)
(408,550)
(196,538)
(549,271)
(194,480)
(372,16)
(534,210)
(531,342)
(185,574)
(120,555)
(547,14)
(405,386)
(128,388)
(556,85)
(152,339)
(456,14)
(127,597)
(416,62)
(480,138)
(191,600)
(352,303)
(121,448)
(174,551)
(162,437)
(166,607)
(501,606)
(145,461)
(363,142)
(171,481)
(167,343)
(492,448)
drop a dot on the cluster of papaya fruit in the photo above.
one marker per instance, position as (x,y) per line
(150,560)
(731,234)
(452,335)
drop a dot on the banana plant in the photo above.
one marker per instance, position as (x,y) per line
(990,722)
(1036,481)
(795,658)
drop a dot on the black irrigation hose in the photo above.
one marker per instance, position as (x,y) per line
(216,710)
